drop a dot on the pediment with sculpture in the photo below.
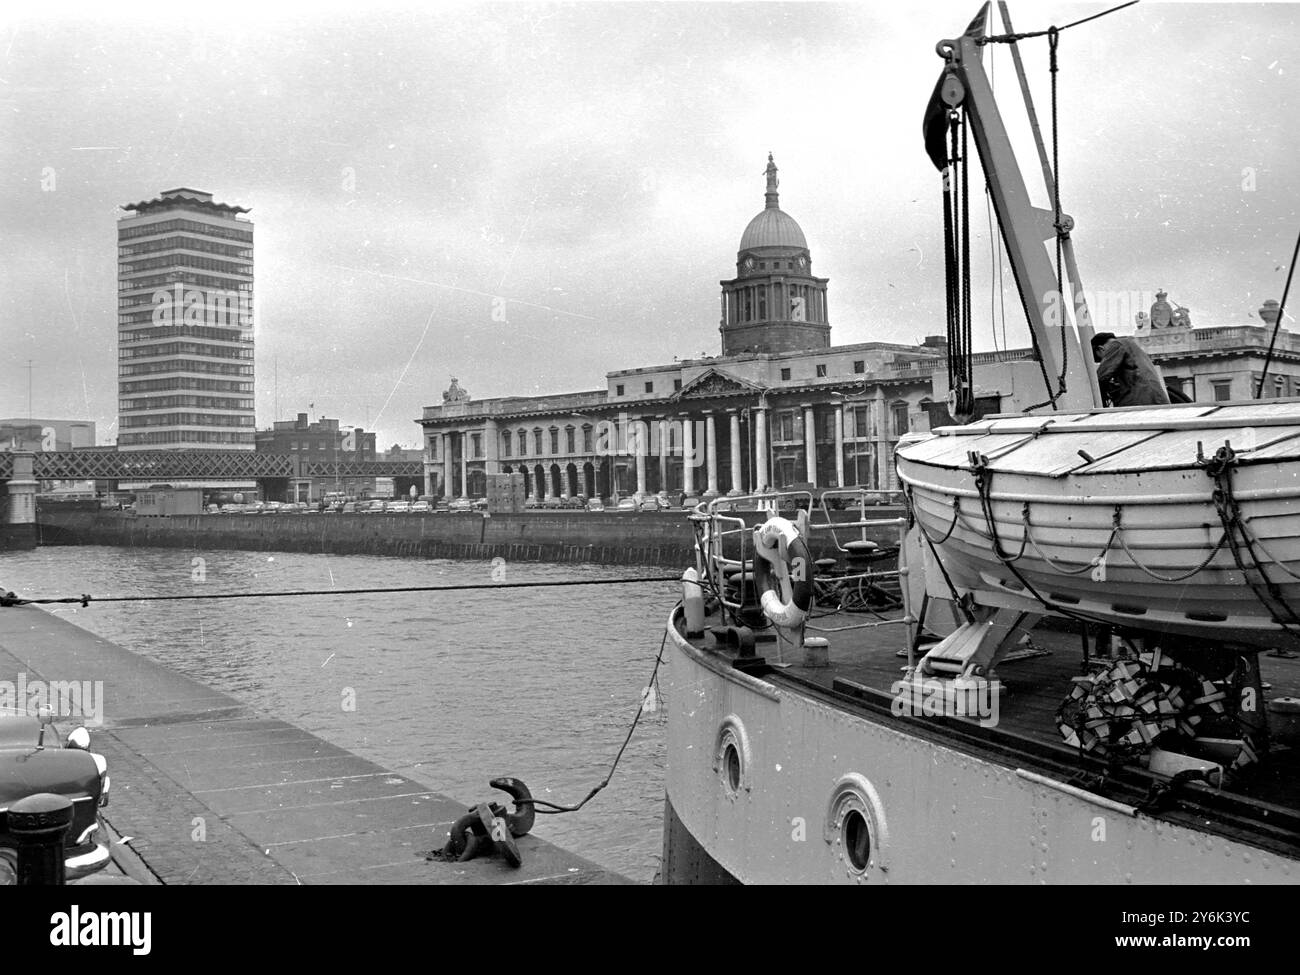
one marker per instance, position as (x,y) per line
(717,382)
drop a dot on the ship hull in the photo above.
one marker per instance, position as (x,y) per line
(770,784)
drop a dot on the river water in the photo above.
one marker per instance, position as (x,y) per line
(450,689)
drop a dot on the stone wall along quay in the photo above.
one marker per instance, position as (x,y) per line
(643,538)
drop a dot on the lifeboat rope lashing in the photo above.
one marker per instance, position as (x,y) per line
(1274,559)
(1223,540)
(957,599)
(912,517)
(1220,468)
(1086,566)
(979,467)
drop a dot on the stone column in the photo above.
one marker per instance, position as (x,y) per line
(810,444)
(446,465)
(839,445)
(491,448)
(663,453)
(882,440)
(737,480)
(464,464)
(760,448)
(429,469)
(688,455)
(711,456)
(637,444)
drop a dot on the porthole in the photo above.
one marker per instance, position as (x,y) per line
(856,829)
(732,760)
(857,840)
(731,767)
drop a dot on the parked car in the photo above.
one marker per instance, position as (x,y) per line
(374,508)
(34,759)
(461,506)
(349,507)
(595,504)
(399,508)
(480,504)
(649,504)
(627,504)
(421,507)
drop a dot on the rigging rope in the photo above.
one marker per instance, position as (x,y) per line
(1012,38)
(1281,312)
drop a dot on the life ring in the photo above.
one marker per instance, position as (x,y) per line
(783,572)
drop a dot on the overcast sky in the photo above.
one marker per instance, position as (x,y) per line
(594,166)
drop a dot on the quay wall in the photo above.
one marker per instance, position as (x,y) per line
(643,538)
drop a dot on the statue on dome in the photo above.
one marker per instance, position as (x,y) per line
(453,393)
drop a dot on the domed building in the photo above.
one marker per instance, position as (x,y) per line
(774,304)
(780,407)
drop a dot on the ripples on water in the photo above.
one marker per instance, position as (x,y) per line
(451,689)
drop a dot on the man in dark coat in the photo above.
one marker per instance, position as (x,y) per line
(1125,372)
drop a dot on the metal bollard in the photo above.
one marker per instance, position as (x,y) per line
(39,824)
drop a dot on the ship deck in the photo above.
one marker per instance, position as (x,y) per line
(866,663)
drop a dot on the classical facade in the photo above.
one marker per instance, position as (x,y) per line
(779,407)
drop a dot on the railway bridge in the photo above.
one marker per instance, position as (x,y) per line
(22,471)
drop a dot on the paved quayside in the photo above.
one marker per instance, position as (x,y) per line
(273,803)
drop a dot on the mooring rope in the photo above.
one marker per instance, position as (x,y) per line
(85,600)
(554,809)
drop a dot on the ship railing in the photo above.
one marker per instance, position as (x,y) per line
(724,543)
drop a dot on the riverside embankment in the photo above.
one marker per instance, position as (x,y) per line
(644,538)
